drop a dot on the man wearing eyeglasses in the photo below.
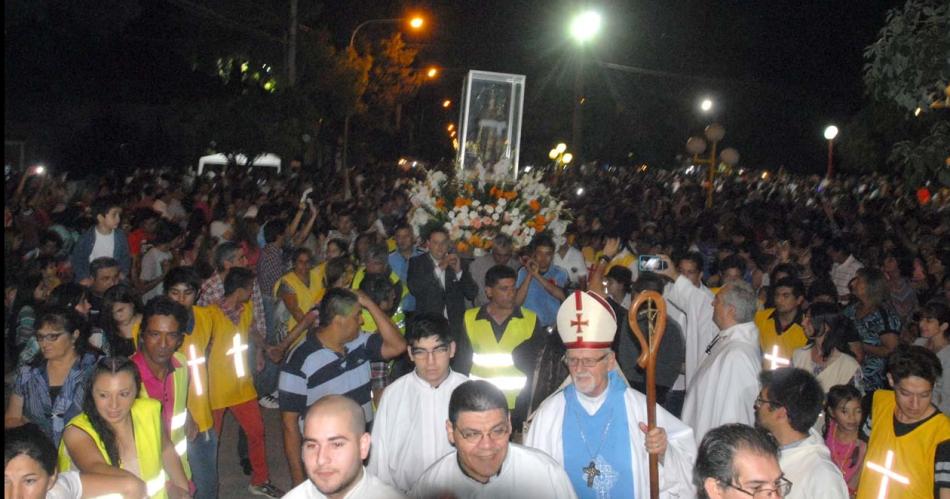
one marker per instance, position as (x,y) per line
(736,461)
(485,464)
(787,407)
(408,434)
(595,427)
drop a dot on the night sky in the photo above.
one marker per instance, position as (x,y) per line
(779,71)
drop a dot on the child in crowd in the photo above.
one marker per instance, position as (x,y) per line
(843,409)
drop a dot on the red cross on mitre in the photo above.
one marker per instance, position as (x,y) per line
(579,323)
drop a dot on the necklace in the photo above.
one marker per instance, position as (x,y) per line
(591,471)
(841,458)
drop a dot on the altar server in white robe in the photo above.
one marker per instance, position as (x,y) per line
(485,464)
(689,294)
(595,426)
(409,427)
(726,385)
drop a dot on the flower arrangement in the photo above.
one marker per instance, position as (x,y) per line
(477,207)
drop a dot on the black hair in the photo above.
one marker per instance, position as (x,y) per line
(822,287)
(103,262)
(113,366)
(543,240)
(837,395)
(695,257)
(732,262)
(69,321)
(426,325)
(914,360)
(29,440)
(794,283)
(163,305)
(342,244)
(335,269)
(937,310)
(497,273)
(165,232)
(798,392)
(238,278)
(717,453)
(102,205)
(476,396)
(273,229)
(336,302)
(378,287)
(120,293)
(648,281)
(182,275)
(67,295)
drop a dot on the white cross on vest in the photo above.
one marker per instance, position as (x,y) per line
(887,474)
(236,348)
(776,361)
(193,362)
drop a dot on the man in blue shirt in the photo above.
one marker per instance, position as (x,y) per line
(541,283)
(399,261)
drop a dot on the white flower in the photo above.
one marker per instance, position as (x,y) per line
(502,202)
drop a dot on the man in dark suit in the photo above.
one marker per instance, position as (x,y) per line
(441,285)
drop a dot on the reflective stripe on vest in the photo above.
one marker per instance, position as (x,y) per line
(147,423)
(491,359)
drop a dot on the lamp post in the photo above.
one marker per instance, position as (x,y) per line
(831,132)
(583,28)
(697,145)
(560,156)
(415,22)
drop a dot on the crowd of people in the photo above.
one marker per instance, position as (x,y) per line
(805,353)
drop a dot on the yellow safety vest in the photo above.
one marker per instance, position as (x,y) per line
(176,428)
(792,339)
(147,423)
(913,453)
(491,359)
(226,388)
(307,296)
(393,278)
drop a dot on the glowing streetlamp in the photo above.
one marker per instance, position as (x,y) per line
(560,156)
(432,72)
(583,28)
(415,23)
(446,103)
(831,132)
(706,105)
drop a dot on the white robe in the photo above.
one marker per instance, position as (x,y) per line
(699,329)
(409,429)
(809,467)
(369,487)
(727,383)
(525,473)
(676,471)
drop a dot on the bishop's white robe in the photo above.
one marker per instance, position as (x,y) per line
(676,471)
(727,382)
(809,467)
(699,329)
(525,473)
(409,429)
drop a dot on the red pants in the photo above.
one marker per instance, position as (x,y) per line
(248,415)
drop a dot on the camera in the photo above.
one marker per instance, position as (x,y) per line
(650,263)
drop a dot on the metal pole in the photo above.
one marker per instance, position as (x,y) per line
(577,131)
(712,176)
(831,146)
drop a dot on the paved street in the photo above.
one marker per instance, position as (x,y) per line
(233,482)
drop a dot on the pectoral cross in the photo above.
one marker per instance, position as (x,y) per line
(236,349)
(888,475)
(193,362)
(776,361)
(592,472)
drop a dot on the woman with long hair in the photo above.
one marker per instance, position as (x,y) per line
(120,434)
(49,391)
(121,320)
(827,354)
(877,323)
(32,292)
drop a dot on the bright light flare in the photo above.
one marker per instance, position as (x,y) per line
(553,154)
(585,26)
(416,22)
(831,132)
(567,158)
(432,72)
(446,103)
(775,361)
(706,105)
(561,147)
(580,191)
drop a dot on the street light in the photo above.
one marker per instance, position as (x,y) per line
(446,103)
(560,156)
(831,132)
(583,28)
(415,23)
(706,105)
(432,72)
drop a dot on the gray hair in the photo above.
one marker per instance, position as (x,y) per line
(740,296)
(378,253)
(502,241)
(476,396)
(717,453)
(225,252)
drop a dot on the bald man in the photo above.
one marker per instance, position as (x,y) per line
(335,443)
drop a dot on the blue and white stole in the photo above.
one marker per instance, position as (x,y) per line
(608,448)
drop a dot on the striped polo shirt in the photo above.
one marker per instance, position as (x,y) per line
(314,371)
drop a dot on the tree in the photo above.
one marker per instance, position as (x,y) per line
(907,67)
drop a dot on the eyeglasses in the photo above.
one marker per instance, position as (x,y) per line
(780,488)
(495,434)
(759,401)
(48,338)
(574,361)
(423,353)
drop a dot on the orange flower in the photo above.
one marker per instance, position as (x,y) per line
(460,202)
(535,205)
(440,203)
(495,192)
(539,221)
(476,241)
(510,195)
(469,188)
(461,247)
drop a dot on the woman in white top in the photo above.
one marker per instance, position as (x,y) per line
(827,354)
